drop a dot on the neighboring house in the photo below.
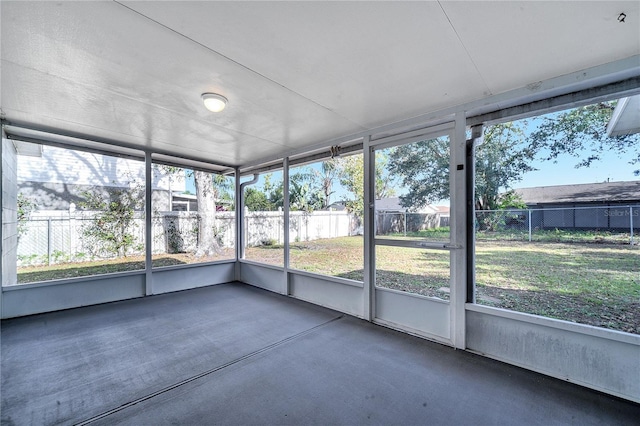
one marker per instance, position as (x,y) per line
(445,213)
(608,205)
(392,204)
(55,178)
(184,203)
(337,206)
(391,216)
(625,119)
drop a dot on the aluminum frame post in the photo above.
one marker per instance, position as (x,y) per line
(461,237)
(630,225)
(238,224)
(285,194)
(148,282)
(368,312)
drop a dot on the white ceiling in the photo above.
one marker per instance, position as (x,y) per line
(296,73)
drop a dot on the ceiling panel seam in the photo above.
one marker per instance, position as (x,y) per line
(489,92)
(240,64)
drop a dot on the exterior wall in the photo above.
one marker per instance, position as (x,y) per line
(620,217)
(59,176)
(66,166)
(59,196)
(9,213)
(613,217)
(601,359)
(558,218)
(590,217)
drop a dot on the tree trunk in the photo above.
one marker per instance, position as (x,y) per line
(205,195)
(326,188)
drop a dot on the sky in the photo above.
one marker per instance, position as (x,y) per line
(611,168)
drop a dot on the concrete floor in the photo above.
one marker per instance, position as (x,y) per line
(233,354)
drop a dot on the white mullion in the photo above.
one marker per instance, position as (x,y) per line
(458,266)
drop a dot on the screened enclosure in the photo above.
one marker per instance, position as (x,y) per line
(488,208)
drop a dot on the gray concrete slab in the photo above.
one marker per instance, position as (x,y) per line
(349,372)
(70,365)
(236,355)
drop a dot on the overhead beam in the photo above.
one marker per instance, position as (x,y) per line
(620,89)
(50,136)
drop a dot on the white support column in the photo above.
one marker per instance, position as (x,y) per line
(285,194)
(2,207)
(369,230)
(458,295)
(147,224)
(239,221)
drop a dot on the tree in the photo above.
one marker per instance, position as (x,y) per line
(328,173)
(501,160)
(207,244)
(305,193)
(210,188)
(25,207)
(256,200)
(114,221)
(224,189)
(581,131)
(423,167)
(274,191)
(351,175)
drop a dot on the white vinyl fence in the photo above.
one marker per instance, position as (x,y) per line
(267,228)
(55,236)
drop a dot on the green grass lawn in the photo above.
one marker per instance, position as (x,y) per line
(589,283)
(29,274)
(597,284)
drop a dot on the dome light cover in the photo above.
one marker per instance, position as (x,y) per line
(214,102)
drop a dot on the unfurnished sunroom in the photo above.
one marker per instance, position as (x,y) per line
(196,196)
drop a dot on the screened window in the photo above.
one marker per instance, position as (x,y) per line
(412,204)
(325,221)
(72,213)
(557,218)
(264,219)
(193,216)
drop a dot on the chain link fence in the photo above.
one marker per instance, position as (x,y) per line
(597,224)
(407,223)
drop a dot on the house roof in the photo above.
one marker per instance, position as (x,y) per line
(392,204)
(389,204)
(625,119)
(628,191)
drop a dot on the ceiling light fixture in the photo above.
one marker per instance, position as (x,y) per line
(214,102)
